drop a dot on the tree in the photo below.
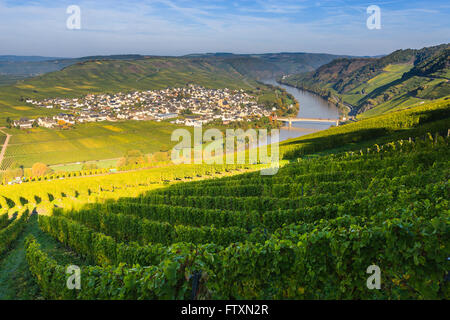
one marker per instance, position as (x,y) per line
(9,123)
(39,169)
(132,157)
(13,173)
(160,157)
(186,112)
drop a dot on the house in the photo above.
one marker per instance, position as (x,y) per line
(65,118)
(164,116)
(23,123)
(46,122)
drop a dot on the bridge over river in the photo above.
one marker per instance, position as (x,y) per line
(290,120)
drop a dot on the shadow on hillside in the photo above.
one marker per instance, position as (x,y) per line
(426,121)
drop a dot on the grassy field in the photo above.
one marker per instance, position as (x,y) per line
(92,141)
(78,166)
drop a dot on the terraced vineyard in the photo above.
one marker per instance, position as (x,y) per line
(52,191)
(309,232)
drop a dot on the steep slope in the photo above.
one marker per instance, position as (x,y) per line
(294,235)
(402,78)
(427,80)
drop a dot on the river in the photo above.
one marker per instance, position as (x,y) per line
(311,106)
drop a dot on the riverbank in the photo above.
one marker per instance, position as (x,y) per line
(311,105)
(345,109)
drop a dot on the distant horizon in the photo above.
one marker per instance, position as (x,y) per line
(212,53)
(180,27)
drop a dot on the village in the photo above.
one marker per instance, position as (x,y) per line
(190,106)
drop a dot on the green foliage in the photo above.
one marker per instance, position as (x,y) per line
(169,280)
(308,232)
(300,235)
(9,234)
(4,220)
(411,122)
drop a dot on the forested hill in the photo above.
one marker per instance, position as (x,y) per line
(255,65)
(436,65)
(401,78)
(269,65)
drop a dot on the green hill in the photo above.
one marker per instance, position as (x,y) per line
(270,65)
(101,76)
(265,65)
(8,79)
(89,141)
(373,86)
(416,121)
(32,66)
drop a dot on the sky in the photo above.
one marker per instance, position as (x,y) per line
(178,27)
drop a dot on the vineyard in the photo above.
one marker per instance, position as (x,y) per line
(417,121)
(45,193)
(374,192)
(309,232)
(90,141)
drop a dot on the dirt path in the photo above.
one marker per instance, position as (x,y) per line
(5,145)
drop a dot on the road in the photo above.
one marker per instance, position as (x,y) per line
(5,145)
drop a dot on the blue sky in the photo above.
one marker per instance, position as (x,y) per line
(176,27)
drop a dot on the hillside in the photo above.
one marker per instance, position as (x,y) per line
(417,121)
(10,79)
(372,86)
(100,76)
(234,234)
(255,65)
(28,66)
(269,65)
(89,141)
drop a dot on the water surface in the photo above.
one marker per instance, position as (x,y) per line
(311,106)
